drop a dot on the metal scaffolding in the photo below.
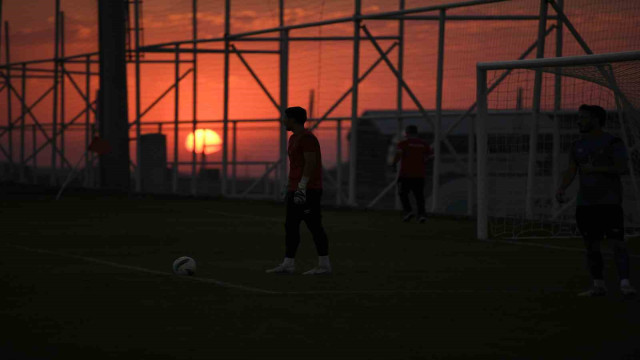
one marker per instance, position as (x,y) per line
(188,52)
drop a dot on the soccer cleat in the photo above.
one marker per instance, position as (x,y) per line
(282,269)
(320,270)
(594,292)
(422,219)
(628,290)
(408,217)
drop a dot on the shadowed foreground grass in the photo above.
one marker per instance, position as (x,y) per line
(400,291)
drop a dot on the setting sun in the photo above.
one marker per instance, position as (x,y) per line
(206,140)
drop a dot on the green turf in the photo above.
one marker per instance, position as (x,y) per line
(399,291)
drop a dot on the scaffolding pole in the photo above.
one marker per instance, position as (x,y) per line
(62,87)
(225,105)
(138,175)
(284,96)
(438,123)
(399,93)
(353,141)
(9,107)
(533,133)
(54,143)
(194,109)
(176,118)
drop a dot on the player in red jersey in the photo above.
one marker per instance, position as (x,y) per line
(303,194)
(412,153)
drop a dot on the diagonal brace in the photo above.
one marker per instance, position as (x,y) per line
(416,101)
(255,76)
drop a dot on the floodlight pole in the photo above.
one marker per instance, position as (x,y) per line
(533,134)
(437,126)
(353,143)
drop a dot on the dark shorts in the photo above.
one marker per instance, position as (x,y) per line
(596,221)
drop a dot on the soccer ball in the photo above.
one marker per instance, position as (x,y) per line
(184,265)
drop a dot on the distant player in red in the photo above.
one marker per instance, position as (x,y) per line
(303,194)
(412,153)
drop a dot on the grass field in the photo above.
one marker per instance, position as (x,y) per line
(89,276)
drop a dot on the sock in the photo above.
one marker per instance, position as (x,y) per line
(625,283)
(323,261)
(288,262)
(598,283)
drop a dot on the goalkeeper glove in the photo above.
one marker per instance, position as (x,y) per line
(300,196)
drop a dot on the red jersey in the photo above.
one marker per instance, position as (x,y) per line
(298,145)
(414,153)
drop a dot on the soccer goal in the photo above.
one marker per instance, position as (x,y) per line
(526,124)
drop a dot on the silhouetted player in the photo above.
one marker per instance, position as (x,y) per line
(303,194)
(600,158)
(412,153)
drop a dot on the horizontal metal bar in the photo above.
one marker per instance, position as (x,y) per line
(208,51)
(20,68)
(220,162)
(595,59)
(234,37)
(468,17)
(32,76)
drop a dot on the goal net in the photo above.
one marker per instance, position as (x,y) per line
(527,122)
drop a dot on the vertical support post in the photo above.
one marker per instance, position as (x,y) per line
(9,109)
(266,180)
(470,164)
(339,162)
(176,119)
(136,6)
(62,90)
(23,114)
(34,141)
(399,88)
(557,105)
(234,158)
(353,144)
(194,27)
(1,26)
(87,120)
(533,134)
(54,138)
(482,218)
(437,139)
(284,96)
(94,174)
(225,106)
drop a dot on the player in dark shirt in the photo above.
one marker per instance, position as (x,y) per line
(600,158)
(303,194)
(412,153)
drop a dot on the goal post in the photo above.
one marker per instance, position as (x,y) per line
(516,167)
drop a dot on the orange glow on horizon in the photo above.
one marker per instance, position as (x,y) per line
(207,141)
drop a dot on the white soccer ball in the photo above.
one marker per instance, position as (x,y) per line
(184,265)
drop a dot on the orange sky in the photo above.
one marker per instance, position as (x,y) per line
(325,67)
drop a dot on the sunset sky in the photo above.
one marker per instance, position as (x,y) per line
(326,67)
